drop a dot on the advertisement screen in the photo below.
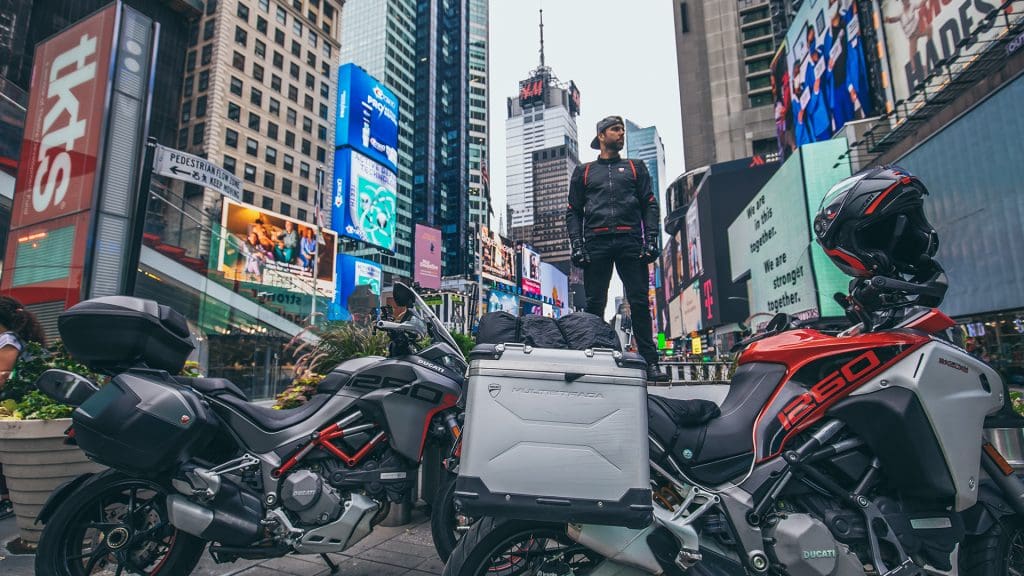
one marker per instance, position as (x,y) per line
(365,202)
(531,91)
(820,75)
(498,257)
(267,248)
(554,286)
(532,309)
(694,254)
(531,273)
(920,34)
(367,116)
(675,317)
(358,293)
(502,302)
(427,271)
(60,151)
(691,313)
(574,99)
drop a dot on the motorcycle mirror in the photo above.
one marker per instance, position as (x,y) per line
(66,387)
(404,296)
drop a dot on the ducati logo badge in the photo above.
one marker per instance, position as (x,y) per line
(622,169)
(494,390)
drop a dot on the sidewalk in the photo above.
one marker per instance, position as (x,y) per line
(404,551)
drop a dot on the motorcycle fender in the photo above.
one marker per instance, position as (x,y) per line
(59,495)
(990,508)
(624,546)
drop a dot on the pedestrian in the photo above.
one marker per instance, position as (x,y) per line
(18,327)
(614,220)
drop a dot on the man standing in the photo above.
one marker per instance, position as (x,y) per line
(613,220)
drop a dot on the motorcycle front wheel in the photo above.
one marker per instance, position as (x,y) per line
(498,547)
(115,524)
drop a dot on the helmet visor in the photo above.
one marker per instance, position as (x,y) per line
(833,203)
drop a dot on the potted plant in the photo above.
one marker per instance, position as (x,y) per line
(35,459)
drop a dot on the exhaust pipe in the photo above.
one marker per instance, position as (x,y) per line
(232,518)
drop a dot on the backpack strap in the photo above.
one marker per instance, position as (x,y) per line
(633,167)
(586,172)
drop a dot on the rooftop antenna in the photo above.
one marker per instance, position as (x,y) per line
(541,37)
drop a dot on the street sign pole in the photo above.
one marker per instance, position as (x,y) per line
(316,245)
(141,204)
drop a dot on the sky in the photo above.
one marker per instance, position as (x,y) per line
(621,55)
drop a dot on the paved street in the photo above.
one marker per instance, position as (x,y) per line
(407,550)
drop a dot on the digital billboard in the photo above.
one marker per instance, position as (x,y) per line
(554,285)
(497,256)
(427,271)
(675,317)
(358,294)
(531,273)
(922,34)
(367,116)
(820,75)
(270,249)
(364,206)
(694,254)
(531,91)
(691,313)
(498,301)
(574,99)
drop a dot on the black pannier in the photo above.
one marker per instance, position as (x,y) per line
(143,421)
(115,333)
(576,331)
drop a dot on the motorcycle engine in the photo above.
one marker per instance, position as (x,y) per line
(314,501)
(803,546)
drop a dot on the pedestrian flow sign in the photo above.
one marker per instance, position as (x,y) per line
(182,166)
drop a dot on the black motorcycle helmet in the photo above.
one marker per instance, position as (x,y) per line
(873,224)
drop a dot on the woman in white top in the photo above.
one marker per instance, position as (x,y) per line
(17,326)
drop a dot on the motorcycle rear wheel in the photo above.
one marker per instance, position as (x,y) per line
(998,552)
(500,547)
(115,524)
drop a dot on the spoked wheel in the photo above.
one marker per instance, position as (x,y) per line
(517,548)
(115,524)
(999,552)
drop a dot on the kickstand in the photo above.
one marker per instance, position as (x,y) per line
(330,563)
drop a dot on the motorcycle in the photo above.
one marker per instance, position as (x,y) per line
(833,454)
(193,463)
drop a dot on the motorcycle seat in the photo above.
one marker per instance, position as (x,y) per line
(685,413)
(274,420)
(213,386)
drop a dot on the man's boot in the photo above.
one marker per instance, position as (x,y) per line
(655,375)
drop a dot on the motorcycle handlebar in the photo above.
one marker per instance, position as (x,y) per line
(397,327)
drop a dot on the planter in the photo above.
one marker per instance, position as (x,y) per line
(1010,443)
(36,462)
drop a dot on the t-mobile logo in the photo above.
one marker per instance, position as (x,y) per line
(709,299)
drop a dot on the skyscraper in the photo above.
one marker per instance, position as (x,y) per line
(724,49)
(541,116)
(480,211)
(552,168)
(645,144)
(380,37)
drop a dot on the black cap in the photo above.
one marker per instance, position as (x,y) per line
(604,124)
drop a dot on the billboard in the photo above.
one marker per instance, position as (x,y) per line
(358,291)
(554,285)
(427,271)
(498,301)
(531,273)
(364,206)
(269,249)
(498,257)
(675,317)
(574,99)
(531,91)
(819,75)
(691,311)
(922,34)
(367,116)
(694,254)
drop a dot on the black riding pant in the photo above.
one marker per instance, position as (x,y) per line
(623,252)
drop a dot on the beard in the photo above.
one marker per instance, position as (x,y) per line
(615,145)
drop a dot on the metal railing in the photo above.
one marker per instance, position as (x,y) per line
(686,373)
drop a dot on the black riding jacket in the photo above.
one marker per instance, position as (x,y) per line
(612,197)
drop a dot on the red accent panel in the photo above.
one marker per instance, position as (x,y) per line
(855,263)
(798,347)
(600,229)
(448,401)
(878,201)
(932,322)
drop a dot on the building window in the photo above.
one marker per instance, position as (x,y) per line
(186,91)
(307,125)
(229,164)
(268,180)
(286,187)
(323,111)
(303,193)
(289,138)
(325,90)
(231,138)
(236,86)
(310,81)
(207,54)
(252,148)
(274,106)
(321,133)
(271,155)
(293,93)
(254,121)
(304,170)
(321,154)
(281,16)
(286,209)
(186,111)
(325,69)
(183,138)
(301,215)
(243,12)
(268,203)
(234,112)
(288,162)
(278,60)
(326,50)
(307,102)
(291,116)
(208,28)
(296,49)
(261,49)
(247,196)
(275,82)
(758,100)
(241,36)
(264,5)
(256,96)
(312,39)
(311,59)
(307,146)
(297,28)
(190,60)
(257,72)
(293,71)
(193,33)
(272,130)
(238,61)
(261,24)
(198,131)
(201,107)
(204,80)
